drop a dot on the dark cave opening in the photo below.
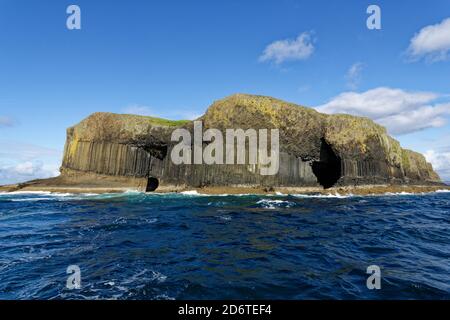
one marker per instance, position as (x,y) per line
(152,184)
(328,169)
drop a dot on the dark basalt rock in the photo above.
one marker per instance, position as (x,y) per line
(315,149)
(328,168)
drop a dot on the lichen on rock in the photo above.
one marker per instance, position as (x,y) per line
(315,149)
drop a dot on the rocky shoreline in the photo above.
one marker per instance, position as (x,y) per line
(353,190)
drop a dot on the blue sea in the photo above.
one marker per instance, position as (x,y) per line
(193,246)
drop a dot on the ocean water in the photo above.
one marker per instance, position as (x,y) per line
(190,246)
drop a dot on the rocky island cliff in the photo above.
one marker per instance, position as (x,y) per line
(317,151)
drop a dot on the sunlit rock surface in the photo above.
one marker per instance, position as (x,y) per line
(316,149)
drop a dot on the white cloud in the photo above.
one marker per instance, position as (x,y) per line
(440,162)
(147,111)
(26,171)
(423,118)
(6,121)
(21,162)
(353,75)
(400,111)
(431,42)
(22,152)
(280,51)
(27,168)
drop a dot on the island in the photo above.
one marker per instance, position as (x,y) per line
(318,152)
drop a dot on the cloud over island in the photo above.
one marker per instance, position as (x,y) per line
(431,43)
(300,48)
(400,111)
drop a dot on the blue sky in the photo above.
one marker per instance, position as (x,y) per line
(174,58)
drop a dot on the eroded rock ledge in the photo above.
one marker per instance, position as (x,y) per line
(118,151)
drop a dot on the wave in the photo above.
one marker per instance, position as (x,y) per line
(274,204)
(403,193)
(25,193)
(30,196)
(336,195)
(190,193)
(32,199)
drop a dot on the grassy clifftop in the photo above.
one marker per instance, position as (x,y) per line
(124,127)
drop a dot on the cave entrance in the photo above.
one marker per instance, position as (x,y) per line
(328,169)
(152,184)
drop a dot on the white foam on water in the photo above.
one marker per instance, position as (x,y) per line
(31,199)
(142,277)
(133,191)
(56,194)
(403,193)
(196,193)
(164,297)
(274,204)
(27,192)
(443,191)
(190,193)
(336,195)
(43,193)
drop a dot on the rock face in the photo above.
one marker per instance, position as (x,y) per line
(315,149)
